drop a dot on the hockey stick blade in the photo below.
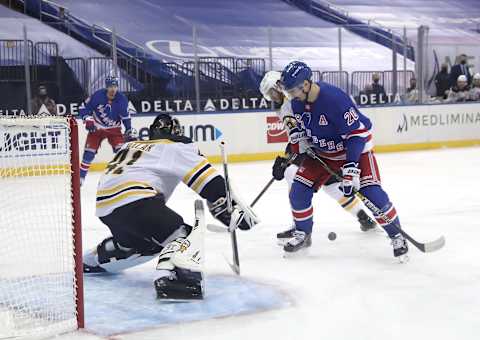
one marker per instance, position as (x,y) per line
(424,247)
(215,228)
(233,267)
(427,247)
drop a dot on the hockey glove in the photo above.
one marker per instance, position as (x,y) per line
(129,135)
(89,124)
(278,169)
(351,179)
(241,218)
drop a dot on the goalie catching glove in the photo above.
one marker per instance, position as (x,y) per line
(242,215)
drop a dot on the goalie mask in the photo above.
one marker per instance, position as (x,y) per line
(164,124)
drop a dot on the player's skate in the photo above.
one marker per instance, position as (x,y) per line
(400,248)
(284,236)
(300,241)
(180,284)
(366,222)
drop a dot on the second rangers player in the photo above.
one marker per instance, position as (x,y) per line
(340,135)
(270,87)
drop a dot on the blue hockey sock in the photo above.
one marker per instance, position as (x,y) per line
(88,156)
(379,197)
(301,204)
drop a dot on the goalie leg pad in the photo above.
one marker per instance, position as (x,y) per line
(140,231)
(187,249)
(110,257)
(180,263)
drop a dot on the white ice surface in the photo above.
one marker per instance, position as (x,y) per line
(350,288)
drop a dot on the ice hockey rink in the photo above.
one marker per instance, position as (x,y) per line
(350,288)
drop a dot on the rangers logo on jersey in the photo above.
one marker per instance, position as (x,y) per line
(350,116)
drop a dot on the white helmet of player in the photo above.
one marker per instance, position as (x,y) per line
(271,80)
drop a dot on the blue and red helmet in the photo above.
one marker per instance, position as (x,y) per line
(111,81)
(294,74)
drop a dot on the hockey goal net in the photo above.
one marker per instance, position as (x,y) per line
(41,291)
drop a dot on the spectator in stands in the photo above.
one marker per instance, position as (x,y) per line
(442,82)
(380,97)
(42,99)
(413,85)
(460,92)
(475,90)
(365,95)
(460,69)
(412,91)
(375,91)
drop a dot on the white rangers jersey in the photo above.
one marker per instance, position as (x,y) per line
(285,110)
(142,169)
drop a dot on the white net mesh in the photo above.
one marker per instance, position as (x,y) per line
(37,280)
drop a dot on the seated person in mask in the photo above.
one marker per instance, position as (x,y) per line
(412,91)
(365,96)
(475,90)
(378,90)
(460,92)
(42,98)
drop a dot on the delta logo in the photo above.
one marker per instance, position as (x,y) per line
(275,131)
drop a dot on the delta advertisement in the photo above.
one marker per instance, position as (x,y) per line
(261,134)
(169,106)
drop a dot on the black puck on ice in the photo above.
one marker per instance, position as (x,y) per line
(332,236)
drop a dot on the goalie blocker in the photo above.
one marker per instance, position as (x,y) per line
(131,202)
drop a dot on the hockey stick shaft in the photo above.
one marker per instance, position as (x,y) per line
(233,235)
(290,159)
(265,188)
(424,247)
(270,182)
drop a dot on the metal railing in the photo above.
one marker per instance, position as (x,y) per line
(98,32)
(337,78)
(72,79)
(361,79)
(12,59)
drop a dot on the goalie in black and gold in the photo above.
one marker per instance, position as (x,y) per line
(131,201)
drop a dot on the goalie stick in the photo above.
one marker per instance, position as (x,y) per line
(424,247)
(235,266)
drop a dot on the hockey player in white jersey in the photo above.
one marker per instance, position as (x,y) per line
(131,201)
(282,168)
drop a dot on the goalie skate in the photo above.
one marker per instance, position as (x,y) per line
(180,285)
